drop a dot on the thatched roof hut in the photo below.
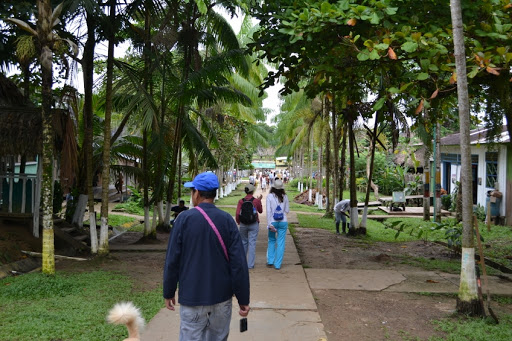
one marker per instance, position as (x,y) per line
(21,122)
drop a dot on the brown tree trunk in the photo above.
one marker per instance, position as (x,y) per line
(44,27)
(343,160)
(467,300)
(352,185)
(105,176)
(88,66)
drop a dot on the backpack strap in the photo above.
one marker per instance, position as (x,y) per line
(214,228)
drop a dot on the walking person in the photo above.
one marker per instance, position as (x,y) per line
(277,224)
(247,217)
(340,212)
(206,256)
(264,183)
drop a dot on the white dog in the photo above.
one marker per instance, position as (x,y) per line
(126,313)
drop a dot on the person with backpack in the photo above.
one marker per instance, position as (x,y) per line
(277,222)
(247,217)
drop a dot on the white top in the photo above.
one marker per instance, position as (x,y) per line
(272,202)
(342,206)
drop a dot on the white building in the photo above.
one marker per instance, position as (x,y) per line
(491,167)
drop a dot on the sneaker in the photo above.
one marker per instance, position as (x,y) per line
(270,265)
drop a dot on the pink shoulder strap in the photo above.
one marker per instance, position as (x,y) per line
(214,230)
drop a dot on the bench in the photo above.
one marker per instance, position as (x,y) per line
(397,198)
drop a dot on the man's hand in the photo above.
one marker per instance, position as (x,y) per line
(244,310)
(170,303)
(260,197)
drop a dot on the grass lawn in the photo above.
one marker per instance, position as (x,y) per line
(233,197)
(120,220)
(230,210)
(130,207)
(68,306)
(497,242)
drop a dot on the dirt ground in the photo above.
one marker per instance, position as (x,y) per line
(14,237)
(361,315)
(346,315)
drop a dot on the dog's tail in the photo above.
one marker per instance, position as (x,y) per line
(126,313)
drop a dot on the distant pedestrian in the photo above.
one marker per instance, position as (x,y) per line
(264,183)
(178,209)
(277,223)
(248,219)
(119,184)
(340,212)
(206,256)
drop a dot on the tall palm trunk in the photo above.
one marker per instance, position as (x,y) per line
(148,230)
(44,26)
(467,300)
(343,161)
(336,142)
(328,210)
(88,65)
(437,217)
(105,176)
(354,219)
(426,181)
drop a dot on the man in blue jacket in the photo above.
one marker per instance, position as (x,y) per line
(209,265)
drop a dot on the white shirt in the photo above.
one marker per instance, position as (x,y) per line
(342,206)
(272,202)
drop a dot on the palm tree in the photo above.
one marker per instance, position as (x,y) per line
(105,176)
(46,38)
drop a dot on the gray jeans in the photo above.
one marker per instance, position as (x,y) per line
(205,323)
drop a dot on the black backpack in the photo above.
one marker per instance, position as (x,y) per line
(248,213)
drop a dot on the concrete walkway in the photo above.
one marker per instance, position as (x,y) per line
(282,303)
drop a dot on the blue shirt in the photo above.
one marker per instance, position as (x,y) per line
(196,260)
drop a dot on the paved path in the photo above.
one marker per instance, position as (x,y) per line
(282,303)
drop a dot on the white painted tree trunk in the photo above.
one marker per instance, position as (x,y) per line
(468,297)
(365,216)
(103,243)
(167,217)
(153,223)
(354,218)
(161,212)
(78,216)
(93,232)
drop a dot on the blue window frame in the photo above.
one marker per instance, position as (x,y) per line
(491,169)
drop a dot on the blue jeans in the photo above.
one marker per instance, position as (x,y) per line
(205,323)
(275,254)
(249,234)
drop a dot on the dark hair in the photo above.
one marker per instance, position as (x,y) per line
(246,190)
(182,202)
(208,194)
(278,192)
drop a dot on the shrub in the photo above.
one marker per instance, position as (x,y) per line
(446,201)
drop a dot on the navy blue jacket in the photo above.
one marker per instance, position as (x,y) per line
(196,260)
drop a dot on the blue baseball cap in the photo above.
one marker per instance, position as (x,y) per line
(206,181)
